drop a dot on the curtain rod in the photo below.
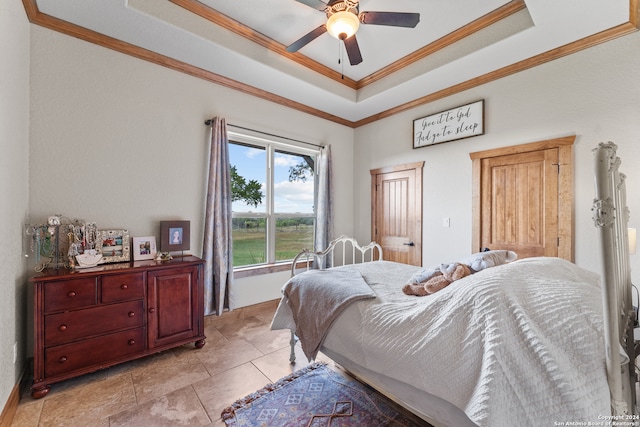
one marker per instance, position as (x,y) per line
(210,121)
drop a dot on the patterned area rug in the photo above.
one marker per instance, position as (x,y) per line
(317,396)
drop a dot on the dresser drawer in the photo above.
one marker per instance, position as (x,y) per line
(93,352)
(69,326)
(70,294)
(122,287)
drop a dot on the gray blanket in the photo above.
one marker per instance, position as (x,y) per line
(317,297)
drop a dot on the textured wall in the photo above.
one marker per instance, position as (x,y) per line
(14,188)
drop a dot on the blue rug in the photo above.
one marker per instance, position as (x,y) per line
(317,396)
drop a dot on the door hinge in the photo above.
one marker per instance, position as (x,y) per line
(557,165)
(558,241)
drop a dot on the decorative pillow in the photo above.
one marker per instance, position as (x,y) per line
(482,260)
(475,262)
(423,275)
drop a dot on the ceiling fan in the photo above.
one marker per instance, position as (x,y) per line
(343,21)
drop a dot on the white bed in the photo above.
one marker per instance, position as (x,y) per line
(517,344)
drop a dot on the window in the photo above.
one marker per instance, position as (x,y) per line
(273,187)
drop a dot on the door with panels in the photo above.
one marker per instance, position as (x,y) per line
(523,199)
(396,212)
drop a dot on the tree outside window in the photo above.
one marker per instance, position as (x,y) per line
(273,207)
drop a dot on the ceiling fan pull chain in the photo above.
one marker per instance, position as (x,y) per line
(341,59)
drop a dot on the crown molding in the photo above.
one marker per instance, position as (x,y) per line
(38,18)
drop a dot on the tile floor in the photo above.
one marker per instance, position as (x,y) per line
(183,386)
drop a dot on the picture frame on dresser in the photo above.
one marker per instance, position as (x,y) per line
(175,236)
(144,248)
(114,245)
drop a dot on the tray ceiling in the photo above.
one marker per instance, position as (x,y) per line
(241,44)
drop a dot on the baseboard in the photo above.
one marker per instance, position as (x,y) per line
(9,411)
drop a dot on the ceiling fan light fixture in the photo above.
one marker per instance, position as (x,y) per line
(343,24)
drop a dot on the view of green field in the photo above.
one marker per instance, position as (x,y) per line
(249,244)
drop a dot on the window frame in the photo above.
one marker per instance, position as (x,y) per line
(271,145)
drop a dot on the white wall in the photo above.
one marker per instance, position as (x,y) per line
(122,142)
(593,94)
(14,188)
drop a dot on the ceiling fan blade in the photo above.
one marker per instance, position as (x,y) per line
(306,39)
(353,50)
(316,4)
(394,19)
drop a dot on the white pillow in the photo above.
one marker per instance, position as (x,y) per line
(482,260)
(423,275)
(475,262)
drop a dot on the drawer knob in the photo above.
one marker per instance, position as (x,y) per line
(62,359)
(62,327)
(131,342)
(131,314)
(152,310)
(72,294)
(124,286)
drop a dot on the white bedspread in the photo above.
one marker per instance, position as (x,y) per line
(519,344)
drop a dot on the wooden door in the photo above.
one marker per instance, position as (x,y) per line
(520,203)
(396,210)
(523,199)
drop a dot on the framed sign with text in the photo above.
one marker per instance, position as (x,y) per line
(457,123)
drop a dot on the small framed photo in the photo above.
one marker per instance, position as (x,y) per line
(144,248)
(113,245)
(175,236)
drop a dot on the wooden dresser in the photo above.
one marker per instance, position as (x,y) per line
(90,319)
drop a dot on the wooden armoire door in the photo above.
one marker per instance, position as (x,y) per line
(396,212)
(523,199)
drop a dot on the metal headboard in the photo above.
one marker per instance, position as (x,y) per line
(343,246)
(611,215)
(326,259)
